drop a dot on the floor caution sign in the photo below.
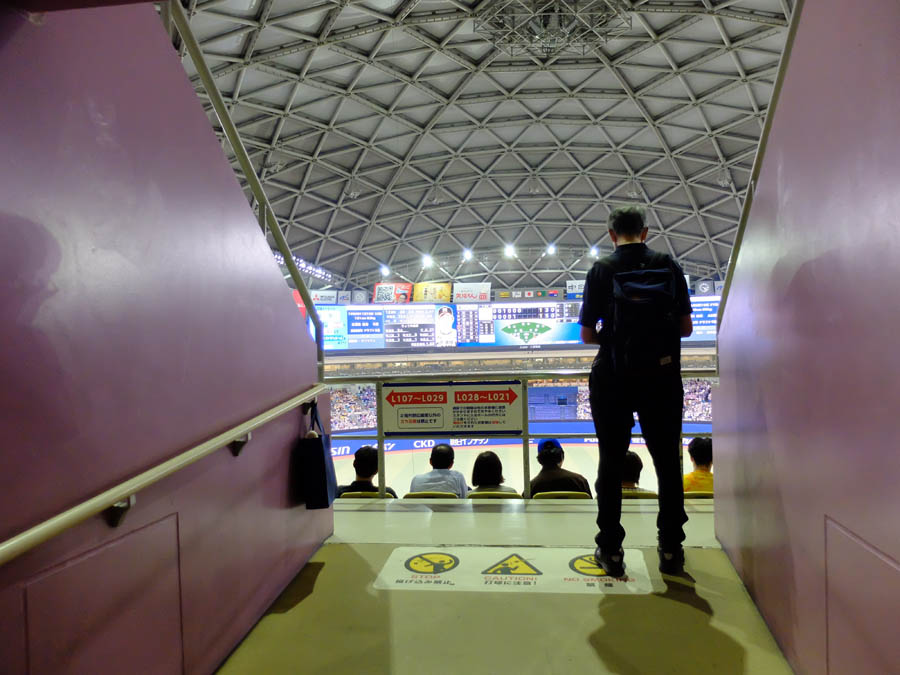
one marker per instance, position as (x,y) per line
(432,563)
(587,565)
(513,564)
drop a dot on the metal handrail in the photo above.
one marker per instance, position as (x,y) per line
(266,213)
(758,160)
(24,541)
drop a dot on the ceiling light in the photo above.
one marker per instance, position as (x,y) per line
(427,260)
(594,252)
(551,249)
(724,178)
(385,270)
(467,254)
(509,251)
(633,190)
(544,28)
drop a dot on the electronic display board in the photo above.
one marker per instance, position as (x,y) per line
(425,326)
(705,316)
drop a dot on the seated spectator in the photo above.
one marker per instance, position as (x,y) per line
(701,478)
(631,473)
(365,463)
(487,474)
(552,477)
(442,478)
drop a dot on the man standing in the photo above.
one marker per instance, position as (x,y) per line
(640,299)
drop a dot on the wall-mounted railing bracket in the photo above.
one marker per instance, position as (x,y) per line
(238,444)
(115,514)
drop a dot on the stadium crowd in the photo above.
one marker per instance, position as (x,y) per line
(353,407)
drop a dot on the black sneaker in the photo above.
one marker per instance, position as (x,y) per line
(613,563)
(671,562)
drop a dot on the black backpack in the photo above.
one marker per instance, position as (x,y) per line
(644,318)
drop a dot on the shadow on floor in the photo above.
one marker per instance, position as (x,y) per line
(642,635)
(328,620)
(298,590)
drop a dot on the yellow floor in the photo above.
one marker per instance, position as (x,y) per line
(331,620)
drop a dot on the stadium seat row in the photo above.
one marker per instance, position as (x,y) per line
(510,495)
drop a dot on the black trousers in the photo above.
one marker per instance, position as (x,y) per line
(658,400)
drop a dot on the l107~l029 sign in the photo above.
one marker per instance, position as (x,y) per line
(442,408)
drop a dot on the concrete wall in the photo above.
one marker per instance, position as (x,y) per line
(806,415)
(141,312)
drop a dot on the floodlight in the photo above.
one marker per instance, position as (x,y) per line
(467,254)
(594,252)
(385,270)
(427,260)
(509,251)
(551,249)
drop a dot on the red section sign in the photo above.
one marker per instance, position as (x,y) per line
(489,396)
(417,398)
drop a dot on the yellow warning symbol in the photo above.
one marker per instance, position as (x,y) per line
(512,564)
(432,563)
(587,565)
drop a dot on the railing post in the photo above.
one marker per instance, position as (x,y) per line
(379,411)
(526,442)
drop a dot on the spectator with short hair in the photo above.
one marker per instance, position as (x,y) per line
(552,477)
(631,473)
(487,474)
(442,477)
(365,463)
(701,478)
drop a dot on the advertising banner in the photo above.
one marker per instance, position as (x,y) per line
(299,302)
(432,291)
(428,409)
(480,292)
(343,297)
(324,297)
(705,287)
(574,289)
(392,293)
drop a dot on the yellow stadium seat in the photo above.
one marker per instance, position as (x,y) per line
(494,495)
(699,494)
(430,495)
(561,495)
(364,495)
(635,494)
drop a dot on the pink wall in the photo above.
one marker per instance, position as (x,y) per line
(806,416)
(141,312)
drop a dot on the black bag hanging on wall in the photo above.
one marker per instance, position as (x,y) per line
(312,477)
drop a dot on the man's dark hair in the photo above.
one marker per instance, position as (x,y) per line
(700,450)
(442,456)
(627,221)
(488,470)
(550,453)
(365,461)
(631,467)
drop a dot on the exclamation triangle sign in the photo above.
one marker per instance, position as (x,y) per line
(512,564)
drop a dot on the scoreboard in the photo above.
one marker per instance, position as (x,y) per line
(508,325)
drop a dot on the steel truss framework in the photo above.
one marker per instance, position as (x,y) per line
(383,130)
